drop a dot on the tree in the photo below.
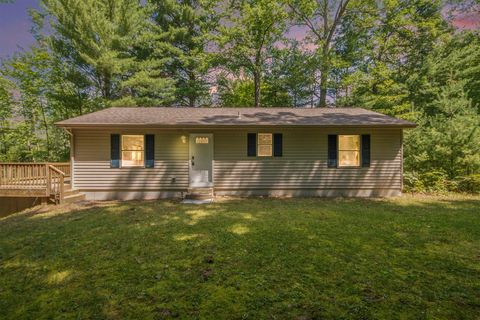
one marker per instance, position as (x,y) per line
(247,37)
(288,80)
(110,42)
(235,92)
(187,25)
(6,105)
(454,58)
(448,139)
(358,37)
(29,71)
(238,93)
(388,76)
(323,19)
(6,99)
(292,71)
(41,98)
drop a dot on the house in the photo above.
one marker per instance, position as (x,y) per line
(132,153)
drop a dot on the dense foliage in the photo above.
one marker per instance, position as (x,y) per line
(399,57)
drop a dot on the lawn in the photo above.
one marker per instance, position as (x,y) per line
(405,258)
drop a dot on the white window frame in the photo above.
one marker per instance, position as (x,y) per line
(339,165)
(264,144)
(122,150)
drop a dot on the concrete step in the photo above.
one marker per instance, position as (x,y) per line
(200,190)
(199,193)
(196,196)
(74,198)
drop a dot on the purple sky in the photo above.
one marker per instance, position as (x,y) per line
(15,25)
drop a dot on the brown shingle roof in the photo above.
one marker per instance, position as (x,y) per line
(191,117)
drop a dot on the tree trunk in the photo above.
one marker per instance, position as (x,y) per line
(312,96)
(107,83)
(45,124)
(3,143)
(322,102)
(256,83)
(192,95)
(191,101)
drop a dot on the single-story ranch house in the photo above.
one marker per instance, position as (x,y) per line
(145,153)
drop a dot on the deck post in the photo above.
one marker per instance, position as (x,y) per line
(49,180)
(60,200)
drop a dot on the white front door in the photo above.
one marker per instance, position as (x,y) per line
(201,158)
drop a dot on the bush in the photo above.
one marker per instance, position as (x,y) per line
(412,183)
(432,181)
(470,183)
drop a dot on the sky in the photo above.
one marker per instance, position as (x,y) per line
(15,25)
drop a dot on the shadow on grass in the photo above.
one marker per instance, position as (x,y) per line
(253,258)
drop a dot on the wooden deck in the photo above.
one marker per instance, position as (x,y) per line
(48,181)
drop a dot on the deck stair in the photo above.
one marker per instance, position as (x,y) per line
(69,196)
(200,194)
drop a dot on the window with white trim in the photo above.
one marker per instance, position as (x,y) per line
(133,150)
(264,144)
(348,150)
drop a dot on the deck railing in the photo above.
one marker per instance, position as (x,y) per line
(55,183)
(24,179)
(62,166)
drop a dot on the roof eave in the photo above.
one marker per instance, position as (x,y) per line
(130,125)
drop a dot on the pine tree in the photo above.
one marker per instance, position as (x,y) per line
(454,57)
(448,137)
(187,25)
(387,74)
(109,41)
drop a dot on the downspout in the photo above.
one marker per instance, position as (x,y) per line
(72,156)
(401,163)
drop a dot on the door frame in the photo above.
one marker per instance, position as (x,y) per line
(211,136)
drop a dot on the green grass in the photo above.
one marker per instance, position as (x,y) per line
(406,258)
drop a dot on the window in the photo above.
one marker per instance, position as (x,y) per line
(201,140)
(348,150)
(265,144)
(132,150)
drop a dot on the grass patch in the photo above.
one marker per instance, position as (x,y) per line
(411,257)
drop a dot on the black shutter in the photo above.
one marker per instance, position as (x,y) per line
(252,144)
(332,151)
(149,151)
(277,144)
(365,150)
(115,151)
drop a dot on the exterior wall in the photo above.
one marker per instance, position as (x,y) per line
(301,171)
(94,176)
